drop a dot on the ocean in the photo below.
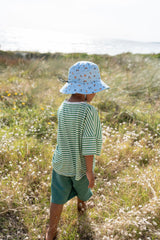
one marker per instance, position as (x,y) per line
(45,40)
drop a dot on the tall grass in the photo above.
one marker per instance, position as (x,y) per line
(126,201)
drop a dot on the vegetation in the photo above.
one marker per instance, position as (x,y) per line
(126,201)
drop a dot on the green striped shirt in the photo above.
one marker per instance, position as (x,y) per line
(79,134)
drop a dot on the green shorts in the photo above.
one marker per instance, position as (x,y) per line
(64,188)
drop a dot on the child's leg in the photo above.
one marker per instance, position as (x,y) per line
(81,206)
(55,213)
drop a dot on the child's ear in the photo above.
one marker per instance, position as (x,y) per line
(90,97)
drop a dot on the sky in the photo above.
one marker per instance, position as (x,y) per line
(136,20)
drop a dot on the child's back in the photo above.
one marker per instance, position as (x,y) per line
(79,134)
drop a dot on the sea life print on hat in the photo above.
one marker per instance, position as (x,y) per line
(84,77)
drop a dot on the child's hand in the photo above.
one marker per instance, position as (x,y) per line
(90,177)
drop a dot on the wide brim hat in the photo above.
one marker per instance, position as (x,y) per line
(84,77)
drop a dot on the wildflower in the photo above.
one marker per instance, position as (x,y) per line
(9,94)
(14,108)
(6,91)
(49,123)
(2,96)
(21,94)
(23,103)
(52,114)
(42,108)
(15,93)
(154,223)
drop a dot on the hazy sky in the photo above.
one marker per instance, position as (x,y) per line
(126,19)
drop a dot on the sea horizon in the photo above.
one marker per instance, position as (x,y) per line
(44,40)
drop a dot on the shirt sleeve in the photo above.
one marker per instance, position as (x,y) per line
(92,133)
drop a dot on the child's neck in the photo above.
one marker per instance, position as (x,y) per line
(75,98)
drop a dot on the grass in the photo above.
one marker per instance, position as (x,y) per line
(126,201)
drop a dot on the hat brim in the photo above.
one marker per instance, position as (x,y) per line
(83,88)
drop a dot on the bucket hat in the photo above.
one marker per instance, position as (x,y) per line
(84,77)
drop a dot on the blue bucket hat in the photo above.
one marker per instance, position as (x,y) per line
(84,77)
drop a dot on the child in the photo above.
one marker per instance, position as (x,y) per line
(79,139)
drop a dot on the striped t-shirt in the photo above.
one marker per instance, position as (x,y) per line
(79,134)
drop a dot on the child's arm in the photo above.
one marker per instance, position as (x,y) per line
(89,172)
